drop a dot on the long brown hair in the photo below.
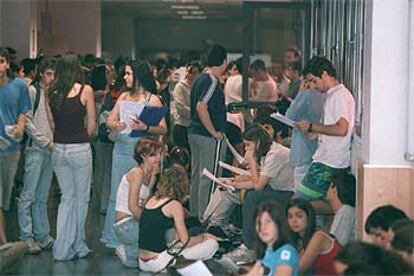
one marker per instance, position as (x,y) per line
(277,215)
(261,137)
(68,72)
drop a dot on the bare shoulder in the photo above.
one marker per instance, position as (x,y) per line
(88,91)
(135,175)
(155,100)
(123,96)
(174,208)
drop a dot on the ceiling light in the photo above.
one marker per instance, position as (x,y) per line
(185,7)
(182,12)
(194,17)
(197,12)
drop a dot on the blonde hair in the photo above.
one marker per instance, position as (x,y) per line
(174,184)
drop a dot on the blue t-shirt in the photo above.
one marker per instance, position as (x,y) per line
(14,100)
(207,89)
(284,255)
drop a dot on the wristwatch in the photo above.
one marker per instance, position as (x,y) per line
(310,127)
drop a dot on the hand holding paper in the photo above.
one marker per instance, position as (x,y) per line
(283,119)
(233,169)
(215,179)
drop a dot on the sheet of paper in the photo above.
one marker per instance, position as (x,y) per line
(215,179)
(283,119)
(127,111)
(197,268)
(233,168)
(236,155)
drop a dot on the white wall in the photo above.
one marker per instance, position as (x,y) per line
(385,110)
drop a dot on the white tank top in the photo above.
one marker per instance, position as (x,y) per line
(122,196)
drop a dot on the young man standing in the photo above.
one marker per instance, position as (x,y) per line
(32,204)
(333,153)
(14,104)
(264,88)
(206,130)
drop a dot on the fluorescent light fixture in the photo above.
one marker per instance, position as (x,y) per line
(194,17)
(197,12)
(180,12)
(185,7)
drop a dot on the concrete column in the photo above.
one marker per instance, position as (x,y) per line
(385,177)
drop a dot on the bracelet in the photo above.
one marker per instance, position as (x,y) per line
(310,127)
(147,128)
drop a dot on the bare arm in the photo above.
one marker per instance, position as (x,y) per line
(21,121)
(177,211)
(135,178)
(285,270)
(113,119)
(340,128)
(259,182)
(315,247)
(161,129)
(88,98)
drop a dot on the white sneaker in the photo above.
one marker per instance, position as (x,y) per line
(47,244)
(120,253)
(33,247)
(241,255)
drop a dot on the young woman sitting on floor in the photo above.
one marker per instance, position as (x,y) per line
(162,212)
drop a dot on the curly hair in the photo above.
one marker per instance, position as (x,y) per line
(174,184)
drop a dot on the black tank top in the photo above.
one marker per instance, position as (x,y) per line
(153,225)
(70,121)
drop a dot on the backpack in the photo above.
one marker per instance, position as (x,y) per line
(26,139)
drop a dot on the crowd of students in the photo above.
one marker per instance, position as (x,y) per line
(294,188)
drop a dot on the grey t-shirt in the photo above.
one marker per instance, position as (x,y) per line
(343,225)
(276,166)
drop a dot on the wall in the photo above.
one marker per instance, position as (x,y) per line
(15,26)
(70,26)
(118,36)
(384,176)
(183,35)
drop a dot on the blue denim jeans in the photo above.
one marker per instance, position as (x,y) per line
(32,203)
(127,231)
(72,164)
(122,162)
(9,162)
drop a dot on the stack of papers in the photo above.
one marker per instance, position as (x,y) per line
(283,119)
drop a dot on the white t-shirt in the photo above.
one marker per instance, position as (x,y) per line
(233,89)
(335,151)
(276,166)
(343,225)
(266,91)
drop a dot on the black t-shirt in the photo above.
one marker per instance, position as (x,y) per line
(207,89)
